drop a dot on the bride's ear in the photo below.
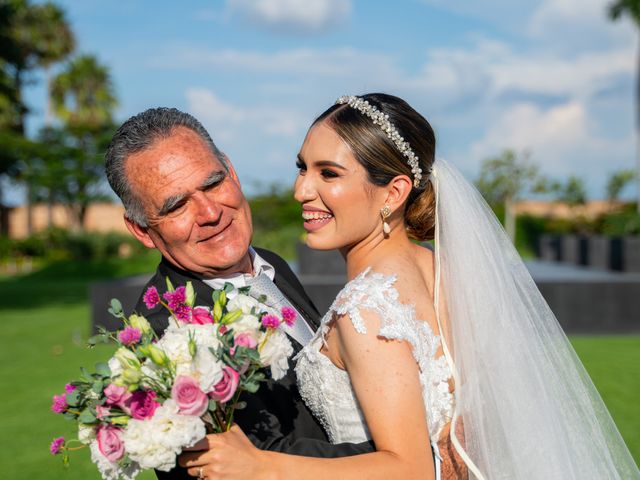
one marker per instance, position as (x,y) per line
(398,191)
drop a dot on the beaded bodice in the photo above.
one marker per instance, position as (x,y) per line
(327,390)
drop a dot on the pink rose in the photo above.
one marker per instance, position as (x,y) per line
(225,388)
(245,339)
(143,404)
(188,396)
(110,443)
(102,411)
(201,316)
(118,396)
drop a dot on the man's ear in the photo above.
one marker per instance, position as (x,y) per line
(139,232)
(398,191)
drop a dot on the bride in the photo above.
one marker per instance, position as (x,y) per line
(449,360)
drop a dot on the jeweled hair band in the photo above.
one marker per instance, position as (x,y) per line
(382,120)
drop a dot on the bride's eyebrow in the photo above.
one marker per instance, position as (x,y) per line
(322,163)
(328,163)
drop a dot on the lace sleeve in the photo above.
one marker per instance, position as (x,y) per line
(376,293)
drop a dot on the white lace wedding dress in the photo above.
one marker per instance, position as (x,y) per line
(327,390)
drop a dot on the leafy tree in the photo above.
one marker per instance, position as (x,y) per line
(504,179)
(69,168)
(617,182)
(631,9)
(31,36)
(573,192)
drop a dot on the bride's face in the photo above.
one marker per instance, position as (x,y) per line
(340,207)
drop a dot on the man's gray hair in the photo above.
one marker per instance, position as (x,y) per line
(137,134)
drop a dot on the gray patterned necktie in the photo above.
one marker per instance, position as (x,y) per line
(262,285)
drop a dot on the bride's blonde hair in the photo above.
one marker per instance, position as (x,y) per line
(382,159)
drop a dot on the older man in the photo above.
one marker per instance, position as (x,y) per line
(182,196)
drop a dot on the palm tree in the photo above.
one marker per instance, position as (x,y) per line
(631,9)
(55,42)
(83,98)
(83,94)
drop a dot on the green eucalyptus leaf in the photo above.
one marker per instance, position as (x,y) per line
(73,398)
(103,369)
(251,387)
(116,306)
(69,416)
(86,416)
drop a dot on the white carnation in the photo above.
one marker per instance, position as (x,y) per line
(86,433)
(276,353)
(242,302)
(155,442)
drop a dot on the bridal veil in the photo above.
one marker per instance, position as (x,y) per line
(528,408)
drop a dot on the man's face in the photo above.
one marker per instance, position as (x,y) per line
(197,215)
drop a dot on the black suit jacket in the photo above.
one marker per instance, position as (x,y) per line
(276,418)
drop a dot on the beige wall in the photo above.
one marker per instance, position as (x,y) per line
(589,210)
(101,217)
(107,217)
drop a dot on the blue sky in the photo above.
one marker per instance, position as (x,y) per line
(554,77)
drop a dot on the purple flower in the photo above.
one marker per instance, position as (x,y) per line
(59,404)
(56,445)
(129,336)
(175,298)
(69,388)
(183,313)
(151,297)
(289,315)
(270,321)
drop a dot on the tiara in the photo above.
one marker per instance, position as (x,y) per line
(382,119)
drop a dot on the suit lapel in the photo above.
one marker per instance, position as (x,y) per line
(298,300)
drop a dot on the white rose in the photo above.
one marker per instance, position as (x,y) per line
(242,302)
(246,323)
(207,370)
(86,433)
(115,367)
(276,353)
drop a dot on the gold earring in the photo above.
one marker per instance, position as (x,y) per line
(384,213)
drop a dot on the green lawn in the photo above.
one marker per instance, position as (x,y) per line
(45,323)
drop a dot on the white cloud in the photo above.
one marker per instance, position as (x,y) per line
(577,25)
(563,140)
(292,16)
(227,122)
(336,62)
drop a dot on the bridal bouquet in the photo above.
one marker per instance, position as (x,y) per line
(156,396)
